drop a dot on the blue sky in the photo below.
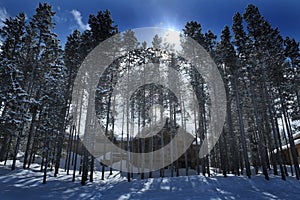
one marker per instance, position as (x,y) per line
(129,14)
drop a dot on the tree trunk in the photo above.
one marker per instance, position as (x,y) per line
(242,129)
(259,129)
(291,140)
(76,155)
(92,169)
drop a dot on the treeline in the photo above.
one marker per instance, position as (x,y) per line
(259,67)
(36,84)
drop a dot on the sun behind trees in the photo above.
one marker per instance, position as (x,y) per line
(261,75)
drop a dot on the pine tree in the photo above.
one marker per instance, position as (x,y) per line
(293,54)
(227,61)
(101,28)
(72,60)
(240,41)
(194,31)
(13,95)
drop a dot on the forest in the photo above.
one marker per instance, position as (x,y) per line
(260,69)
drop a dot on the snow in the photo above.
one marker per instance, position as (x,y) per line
(27,184)
(296,135)
(297,141)
(296,138)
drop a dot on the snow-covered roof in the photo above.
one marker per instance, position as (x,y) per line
(297,141)
(296,135)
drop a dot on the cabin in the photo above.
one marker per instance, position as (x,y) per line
(286,150)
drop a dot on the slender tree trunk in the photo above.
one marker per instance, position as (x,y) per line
(183,124)
(47,146)
(291,140)
(4,148)
(196,142)
(8,149)
(85,170)
(68,147)
(76,155)
(242,129)
(289,160)
(275,131)
(13,167)
(259,127)
(280,151)
(72,129)
(171,128)
(81,159)
(30,135)
(233,143)
(207,166)
(223,153)
(35,139)
(92,169)
(162,142)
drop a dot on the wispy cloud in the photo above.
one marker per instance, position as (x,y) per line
(3,15)
(60,19)
(77,16)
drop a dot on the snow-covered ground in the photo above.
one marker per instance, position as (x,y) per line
(27,184)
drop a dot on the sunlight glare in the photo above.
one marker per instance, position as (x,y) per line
(172,37)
